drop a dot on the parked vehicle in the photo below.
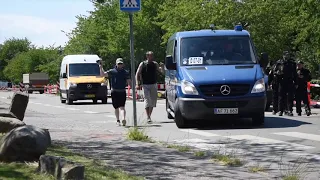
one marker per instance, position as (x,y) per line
(214,73)
(35,81)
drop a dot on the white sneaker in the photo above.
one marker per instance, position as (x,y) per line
(149,120)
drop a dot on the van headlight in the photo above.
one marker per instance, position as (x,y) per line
(259,86)
(72,84)
(103,84)
(188,88)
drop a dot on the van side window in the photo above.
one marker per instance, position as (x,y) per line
(67,70)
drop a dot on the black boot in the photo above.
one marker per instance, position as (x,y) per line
(308,112)
(290,113)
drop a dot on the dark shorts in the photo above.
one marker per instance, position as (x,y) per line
(118,98)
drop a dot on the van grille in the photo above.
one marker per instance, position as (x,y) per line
(83,87)
(214,89)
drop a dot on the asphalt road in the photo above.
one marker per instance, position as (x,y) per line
(281,139)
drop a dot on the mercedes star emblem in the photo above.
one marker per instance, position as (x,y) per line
(89,86)
(225,90)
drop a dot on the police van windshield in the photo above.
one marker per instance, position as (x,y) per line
(85,69)
(222,50)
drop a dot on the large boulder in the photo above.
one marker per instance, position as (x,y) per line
(7,124)
(60,168)
(19,105)
(26,143)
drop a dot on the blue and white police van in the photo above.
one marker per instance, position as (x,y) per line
(212,74)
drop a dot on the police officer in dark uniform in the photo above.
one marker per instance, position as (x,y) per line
(303,77)
(273,82)
(284,71)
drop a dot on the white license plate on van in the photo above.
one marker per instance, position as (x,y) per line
(226,110)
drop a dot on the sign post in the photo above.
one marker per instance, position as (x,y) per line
(132,6)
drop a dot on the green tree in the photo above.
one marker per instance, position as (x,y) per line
(35,60)
(10,49)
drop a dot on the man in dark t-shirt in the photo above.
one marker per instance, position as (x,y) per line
(119,78)
(147,70)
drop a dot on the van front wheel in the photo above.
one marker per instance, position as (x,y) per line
(180,121)
(258,119)
(70,102)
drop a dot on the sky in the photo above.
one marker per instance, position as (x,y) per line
(41,21)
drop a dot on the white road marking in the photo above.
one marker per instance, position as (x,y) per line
(201,133)
(73,109)
(305,155)
(312,137)
(58,106)
(48,105)
(37,103)
(90,112)
(3,97)
(259,140)
(111,116)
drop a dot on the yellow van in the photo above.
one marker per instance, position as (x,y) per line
(80,79)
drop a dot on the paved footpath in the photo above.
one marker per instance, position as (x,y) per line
(91,129)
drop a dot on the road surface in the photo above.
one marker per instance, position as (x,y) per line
(87,128)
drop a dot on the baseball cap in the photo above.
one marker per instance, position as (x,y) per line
(300,62)
(149,52)
(119,61)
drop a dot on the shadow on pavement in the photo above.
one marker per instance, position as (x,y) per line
(155,162)
(270,122)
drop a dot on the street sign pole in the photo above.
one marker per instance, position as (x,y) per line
(133,79)
(132,6)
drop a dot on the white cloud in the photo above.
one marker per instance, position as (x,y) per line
(40,31)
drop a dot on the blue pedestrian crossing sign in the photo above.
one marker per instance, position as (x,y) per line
(130,5)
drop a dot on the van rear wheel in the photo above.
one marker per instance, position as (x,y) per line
(62,100)
(168,107)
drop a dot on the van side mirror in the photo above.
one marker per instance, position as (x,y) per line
(264,59)
(170,65)
(64,75)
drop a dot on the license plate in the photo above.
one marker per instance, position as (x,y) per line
(226,110)
(90,96)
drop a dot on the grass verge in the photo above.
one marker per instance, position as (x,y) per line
(179,147)
(294,170)
(199,153)
(228,159)
(256,169)
(93,168)
(135,134)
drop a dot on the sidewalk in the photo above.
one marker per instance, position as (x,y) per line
(155,162)
(150,160)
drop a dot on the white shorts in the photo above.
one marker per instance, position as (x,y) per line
(150,93)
